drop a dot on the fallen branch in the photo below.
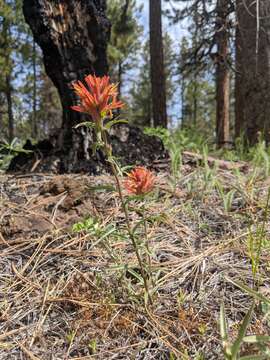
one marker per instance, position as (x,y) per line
(191,157)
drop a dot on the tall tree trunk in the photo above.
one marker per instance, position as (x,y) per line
(238,91)
(253,70)
(73,36)
(183,106)
(157,65)
(195,74)
(34,129)
(222,75)
(119,78)
(119,81)
(7,69)
(195,101)
(8,94)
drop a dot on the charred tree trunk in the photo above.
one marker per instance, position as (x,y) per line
(253,70)
(73,36)
(222,75)
(157,65)
(34,129)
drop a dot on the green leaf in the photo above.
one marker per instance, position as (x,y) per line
(127,168)
(249,290)
(117,267)
(114,122)
(136,275)
(242,331)
(254,339)
(254,357)
(223,323)
(101,188)
(88,124)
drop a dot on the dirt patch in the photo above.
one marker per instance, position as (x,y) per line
(74,295)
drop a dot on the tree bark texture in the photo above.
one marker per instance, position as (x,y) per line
(157,65)
(222,75)
(34,128)
(73,36)
(238,91)
(253,70)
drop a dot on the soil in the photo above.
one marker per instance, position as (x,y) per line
(75,295)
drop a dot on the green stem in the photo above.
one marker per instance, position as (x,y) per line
(108,153)
(147,246)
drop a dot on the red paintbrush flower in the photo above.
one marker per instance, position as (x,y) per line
(98,98)
(140,181)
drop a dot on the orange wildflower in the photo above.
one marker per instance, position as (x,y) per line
(98,98)
(140,181)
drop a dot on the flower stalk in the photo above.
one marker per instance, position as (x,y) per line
(98,100)
(108,153)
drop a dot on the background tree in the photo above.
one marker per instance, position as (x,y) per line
(125,39)
(141,97)
(208,51)
(158,87)
(222,74)
(252,88)
(43,111)
(21,66)
(11,33)
(196,79)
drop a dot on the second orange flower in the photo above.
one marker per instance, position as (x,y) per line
(139,181)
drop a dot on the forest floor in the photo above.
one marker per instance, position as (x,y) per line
(63,297)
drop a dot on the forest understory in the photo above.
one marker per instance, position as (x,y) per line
(65,296)
(134,179)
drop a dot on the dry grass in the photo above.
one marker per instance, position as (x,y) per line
(61,296)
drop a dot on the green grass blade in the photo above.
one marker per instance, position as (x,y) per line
(242,332)
(255,339)
(223,324)
(249,290)
(254,357)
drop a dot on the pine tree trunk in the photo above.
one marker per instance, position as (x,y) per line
(119,78)
(195,101)
(8,94)
(183,105)
(34,129)
(222,76)
(238,91)
(253,70)
(195,75)
(157,65)
(73,36)
(119,81)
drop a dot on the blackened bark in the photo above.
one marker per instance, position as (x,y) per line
(34,129)
(157,65)
(73,36)
(222,75)
(253,66)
